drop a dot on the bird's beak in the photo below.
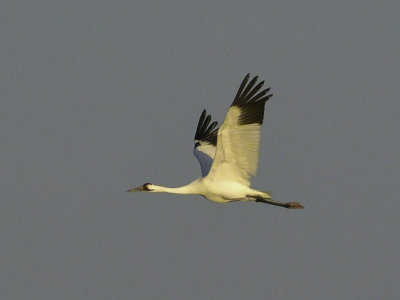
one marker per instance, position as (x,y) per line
(137,189)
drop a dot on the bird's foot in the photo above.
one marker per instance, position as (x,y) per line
(293,205)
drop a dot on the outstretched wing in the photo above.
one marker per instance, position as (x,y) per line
(205,142)
(236,156)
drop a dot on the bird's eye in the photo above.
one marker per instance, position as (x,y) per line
(197,144)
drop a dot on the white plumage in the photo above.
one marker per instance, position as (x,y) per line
(228,155)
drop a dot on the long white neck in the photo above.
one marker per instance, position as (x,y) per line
(191,188)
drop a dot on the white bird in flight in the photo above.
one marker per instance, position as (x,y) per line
(228,155)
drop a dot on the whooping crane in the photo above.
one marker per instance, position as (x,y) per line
(228,155)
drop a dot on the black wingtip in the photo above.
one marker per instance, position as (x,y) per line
(249,92)
(251,100)
(206,130)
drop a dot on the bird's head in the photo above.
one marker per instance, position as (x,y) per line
(147,187)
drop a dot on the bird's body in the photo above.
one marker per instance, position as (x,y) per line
(228,155)
(222,192)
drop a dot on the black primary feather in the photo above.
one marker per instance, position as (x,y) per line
(205,131)
(250,101)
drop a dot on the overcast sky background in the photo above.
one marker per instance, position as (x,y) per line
(100,96)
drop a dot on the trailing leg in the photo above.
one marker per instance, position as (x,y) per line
(278,203)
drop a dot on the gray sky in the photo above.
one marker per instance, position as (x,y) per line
(100,96)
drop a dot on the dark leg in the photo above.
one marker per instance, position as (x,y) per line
(277,203)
